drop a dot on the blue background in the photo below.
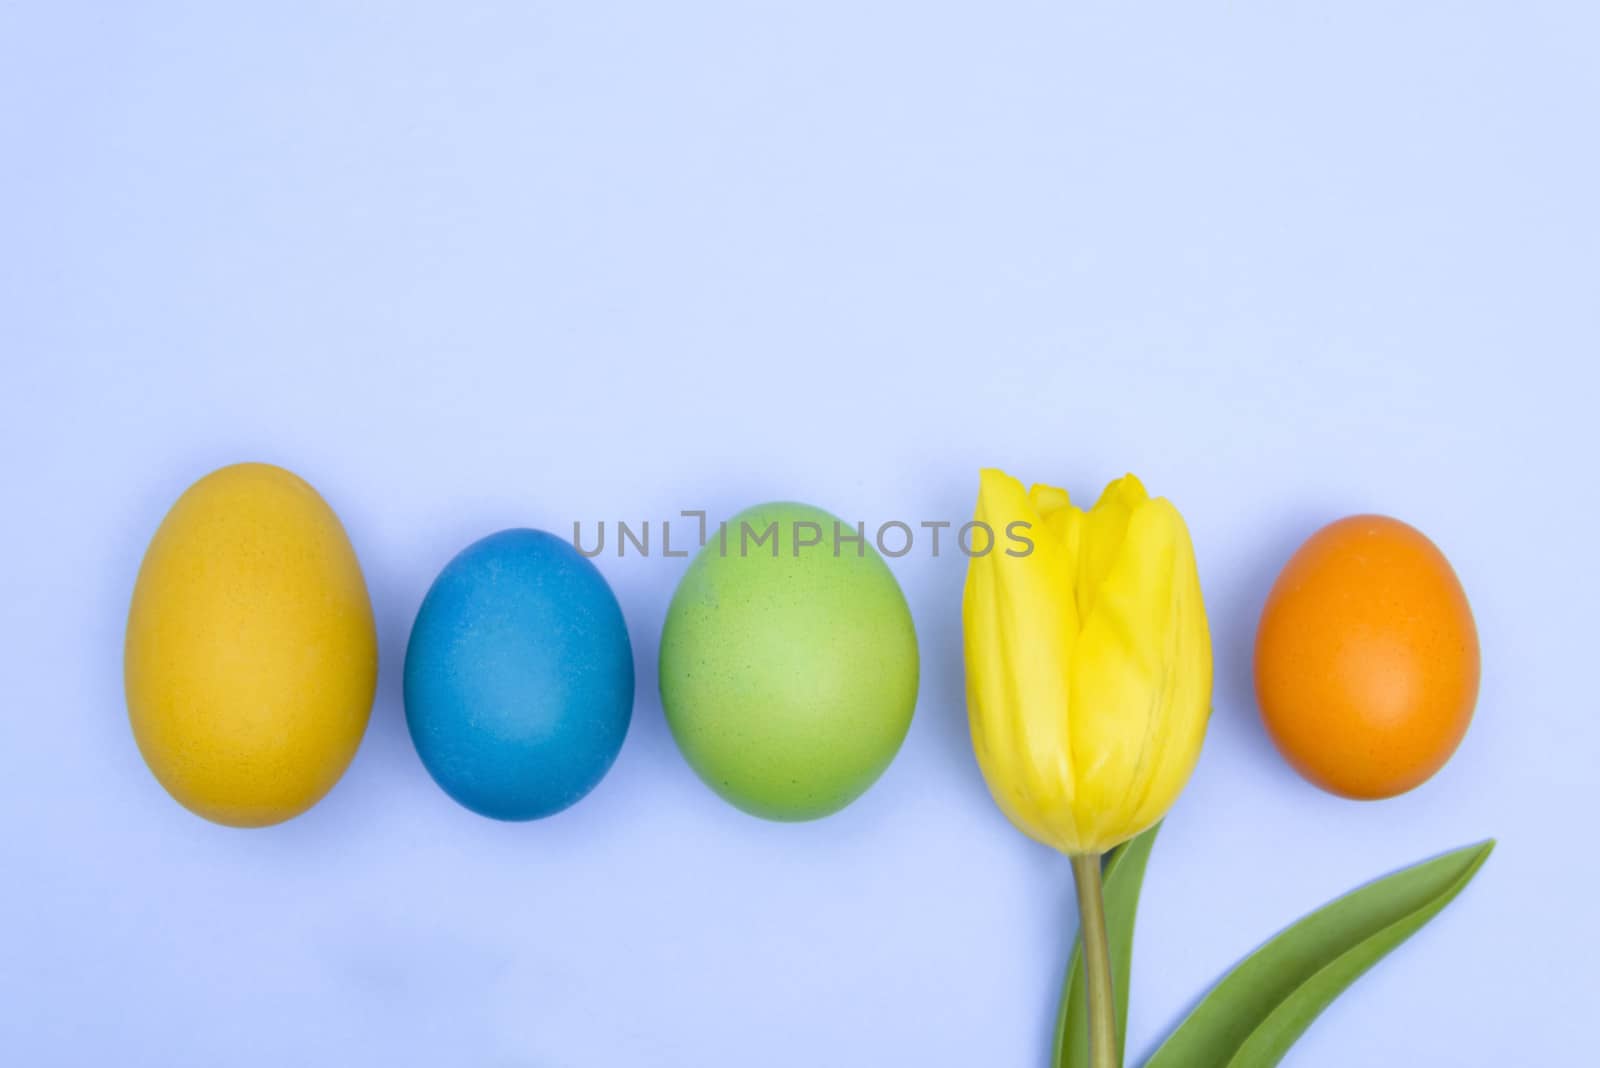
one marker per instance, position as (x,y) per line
(468,266)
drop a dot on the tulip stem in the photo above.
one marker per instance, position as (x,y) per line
(1097,963)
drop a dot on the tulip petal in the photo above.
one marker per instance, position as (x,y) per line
(1062,521)
(1186,710)
(1019,627)
(1105,526)
(1141,673)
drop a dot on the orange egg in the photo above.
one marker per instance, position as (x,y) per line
(1367,658)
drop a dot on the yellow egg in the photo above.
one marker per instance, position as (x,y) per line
(251,654)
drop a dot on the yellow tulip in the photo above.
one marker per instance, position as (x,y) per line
(1088,681)
(1088,661)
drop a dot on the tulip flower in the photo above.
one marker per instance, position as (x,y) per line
(1088,679)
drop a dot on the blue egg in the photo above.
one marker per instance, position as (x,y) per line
(519,676)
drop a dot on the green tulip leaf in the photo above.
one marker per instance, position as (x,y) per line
(1123,877)
(1258,1010)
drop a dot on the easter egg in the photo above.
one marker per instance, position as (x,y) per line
(251,656)
(788,670)
(519,676)
(1366,659)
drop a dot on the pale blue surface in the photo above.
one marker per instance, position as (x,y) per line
(466,267)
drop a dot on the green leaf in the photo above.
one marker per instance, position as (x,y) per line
(1123,876)
(1258,1010)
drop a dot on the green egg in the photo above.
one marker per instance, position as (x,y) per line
(788,669)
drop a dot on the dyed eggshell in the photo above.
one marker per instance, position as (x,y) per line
(251,656)
(1367,659)
(519,676)
(788,680)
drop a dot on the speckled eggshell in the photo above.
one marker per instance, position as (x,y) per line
(519,676)
(788,680)
(251,656)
